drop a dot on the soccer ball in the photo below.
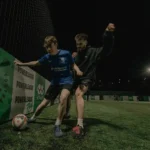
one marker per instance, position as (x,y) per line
(19,122)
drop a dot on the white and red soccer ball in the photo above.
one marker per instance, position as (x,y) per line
(20,122)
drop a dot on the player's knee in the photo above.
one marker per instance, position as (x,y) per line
(78,95)
(45,103)
(62,103)
(63,99)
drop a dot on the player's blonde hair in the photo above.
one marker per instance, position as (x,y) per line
(49,40)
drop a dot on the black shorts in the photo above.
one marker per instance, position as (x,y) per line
(54,90)
(81,82)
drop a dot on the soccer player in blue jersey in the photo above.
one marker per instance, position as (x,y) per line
(60,62)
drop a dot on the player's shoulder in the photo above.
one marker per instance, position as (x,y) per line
(46,55)
(64,52)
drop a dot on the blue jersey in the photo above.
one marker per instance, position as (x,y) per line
(60,67)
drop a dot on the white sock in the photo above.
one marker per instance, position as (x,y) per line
(58,122)
(80,122)
(33,116)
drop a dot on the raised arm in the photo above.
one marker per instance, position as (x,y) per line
(78,71)
(74,66)
(108,41)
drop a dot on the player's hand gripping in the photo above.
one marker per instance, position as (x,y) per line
(79,73)
(17,62)
(110,27)
(74,54)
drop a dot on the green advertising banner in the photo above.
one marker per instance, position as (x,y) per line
(92,97)
(39,90)
(6,83)
(96,97)
(130,98)
(146,98)
(121,98)
(23,91)
(21,88)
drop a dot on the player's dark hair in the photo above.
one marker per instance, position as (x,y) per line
(81,36)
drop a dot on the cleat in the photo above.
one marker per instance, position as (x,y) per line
(78,132)
(57,131)
(31,120)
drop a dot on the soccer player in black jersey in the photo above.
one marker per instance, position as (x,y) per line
(87,59)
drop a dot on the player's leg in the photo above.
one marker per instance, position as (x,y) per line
(63,102)
(50,95)
(39,109)
(80,91)
(67,115)
(62,108)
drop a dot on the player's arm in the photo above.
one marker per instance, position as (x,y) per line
(108,41)
(74,54)
(78,71)
(41,61)
(74,66)
(31,63)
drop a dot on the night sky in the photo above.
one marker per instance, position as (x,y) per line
(129,56)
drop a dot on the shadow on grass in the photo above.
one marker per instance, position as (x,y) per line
(70,123)
(89,122)
(42,121)
(44,118)
(23,130)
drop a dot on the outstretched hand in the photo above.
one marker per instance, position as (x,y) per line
(17,62)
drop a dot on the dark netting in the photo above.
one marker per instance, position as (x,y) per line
(24,24)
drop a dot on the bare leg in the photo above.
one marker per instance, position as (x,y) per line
(68,106)
(39,109)
(80,103)
(61,111)
(62,105)
(78,131)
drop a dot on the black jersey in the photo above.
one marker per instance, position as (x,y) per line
(87,59)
